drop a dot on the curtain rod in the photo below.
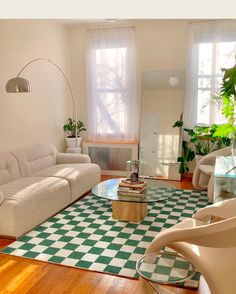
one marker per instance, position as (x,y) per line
(110,28)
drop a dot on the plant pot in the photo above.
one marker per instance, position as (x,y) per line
(71,142)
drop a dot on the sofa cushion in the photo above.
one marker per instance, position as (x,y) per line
(30,201)
(9,170)
(35,158)
(1,197)
(81,177)
(65,158)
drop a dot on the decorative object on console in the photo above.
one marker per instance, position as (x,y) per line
(21,85)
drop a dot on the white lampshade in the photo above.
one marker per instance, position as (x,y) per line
(173,81)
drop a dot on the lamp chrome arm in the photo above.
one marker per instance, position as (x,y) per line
(20,85)
(62,72)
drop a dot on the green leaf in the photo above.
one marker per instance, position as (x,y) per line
(228,107)
(178,124)
(180,159)
(229,82)
(193,140)
(224,130)
(72,126)
(190,155)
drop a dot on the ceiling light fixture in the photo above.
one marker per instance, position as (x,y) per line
(173,81)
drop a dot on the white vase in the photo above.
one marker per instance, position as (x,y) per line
(71,142)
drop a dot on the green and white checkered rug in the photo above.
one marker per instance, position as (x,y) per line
(84,235)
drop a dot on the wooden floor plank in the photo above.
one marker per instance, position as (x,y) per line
(5,242)
(26,276)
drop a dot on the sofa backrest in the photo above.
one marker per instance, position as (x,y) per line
(9,170)
(35,158)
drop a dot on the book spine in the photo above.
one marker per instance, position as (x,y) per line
(120,193)
(127,190)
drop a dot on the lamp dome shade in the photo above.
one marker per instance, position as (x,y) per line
(173,81)
(18,85)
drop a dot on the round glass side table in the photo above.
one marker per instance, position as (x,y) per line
(164,268)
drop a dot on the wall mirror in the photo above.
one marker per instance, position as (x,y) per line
(161,105)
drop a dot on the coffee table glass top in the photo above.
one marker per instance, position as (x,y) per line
(165,268)
(157,190)
(225,167)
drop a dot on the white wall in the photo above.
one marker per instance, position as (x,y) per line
(39,116)
(35,117)
(162,46)
(78,45)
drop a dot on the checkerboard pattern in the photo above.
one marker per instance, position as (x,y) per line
(84,235)
(168,267)
(160,192)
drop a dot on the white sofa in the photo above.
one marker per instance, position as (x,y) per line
(37,182)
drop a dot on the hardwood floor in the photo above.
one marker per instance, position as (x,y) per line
(21,275)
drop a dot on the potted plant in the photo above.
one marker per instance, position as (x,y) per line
(228,97)
(70,128)
(202,140)
(205,141)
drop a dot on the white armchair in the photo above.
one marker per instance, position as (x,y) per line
(203,175)
(210,247)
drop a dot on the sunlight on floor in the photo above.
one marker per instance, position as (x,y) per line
(21,276)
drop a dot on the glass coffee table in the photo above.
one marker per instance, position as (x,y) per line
(164,268)
(133,208)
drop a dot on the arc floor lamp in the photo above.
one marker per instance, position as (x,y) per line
(21,85)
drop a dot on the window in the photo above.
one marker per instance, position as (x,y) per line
(212,46)
(212,57)
(113,114)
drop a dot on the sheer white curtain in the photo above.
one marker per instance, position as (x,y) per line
(112,104)
(212,46)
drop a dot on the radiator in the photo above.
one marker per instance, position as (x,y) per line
(111,157)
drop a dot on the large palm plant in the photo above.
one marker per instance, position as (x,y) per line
(228,96)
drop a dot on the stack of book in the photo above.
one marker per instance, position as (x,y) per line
(126,187)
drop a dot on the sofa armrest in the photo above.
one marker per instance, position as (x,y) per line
(208,160)
(223,209)
(72,158)
(1,197)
